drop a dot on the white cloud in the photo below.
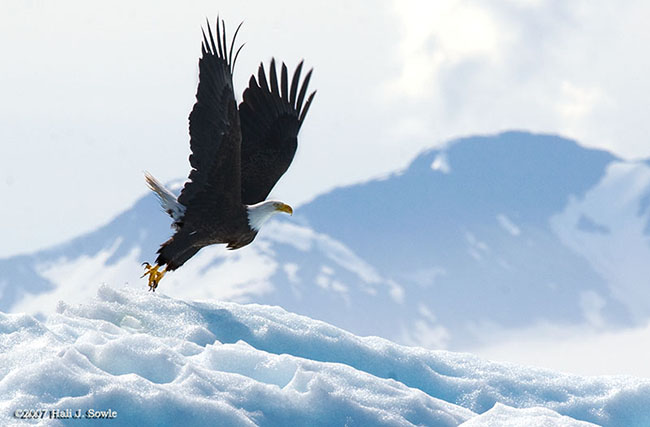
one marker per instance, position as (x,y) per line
(561,67)
(592,305)
(396,291)
(291,269)
(426,331)
(426,277)
(563,348)
(109,92)
(577,102)
(476,248)
(437,35)
(508,225)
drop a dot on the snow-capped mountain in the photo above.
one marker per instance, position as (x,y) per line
(142,359)
(514,229)
(488,234)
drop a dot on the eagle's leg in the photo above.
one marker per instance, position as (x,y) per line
(154,275)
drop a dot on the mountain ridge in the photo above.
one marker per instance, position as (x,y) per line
(481,235)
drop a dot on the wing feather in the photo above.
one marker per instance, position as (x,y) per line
(294,83)
(285,90)
(215,135)
(303,90)
(273,80)
(271,117)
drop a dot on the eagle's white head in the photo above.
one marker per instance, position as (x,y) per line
(259,213)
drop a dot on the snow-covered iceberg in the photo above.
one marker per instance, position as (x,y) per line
(147,359)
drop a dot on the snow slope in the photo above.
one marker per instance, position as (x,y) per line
(155,360)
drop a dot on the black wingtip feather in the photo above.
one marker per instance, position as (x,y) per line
(216,42)
(303,90)
(205,44)
(220,49)
(261,75)
(285,83)
(223,41)
(294,84)
(273,77)
(232,46)
(252,82)
(270,86)
(304,110)
(236,56)
(213,48)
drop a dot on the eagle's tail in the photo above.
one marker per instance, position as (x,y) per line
(175,251)
(168,201)
(171,255)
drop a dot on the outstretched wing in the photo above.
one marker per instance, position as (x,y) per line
(270,117)
(215,134)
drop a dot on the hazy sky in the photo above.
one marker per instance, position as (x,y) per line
(93,93)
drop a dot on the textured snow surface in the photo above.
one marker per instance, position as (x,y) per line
(505,416)
(160,361)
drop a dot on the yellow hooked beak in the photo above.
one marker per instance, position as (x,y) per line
(285,208)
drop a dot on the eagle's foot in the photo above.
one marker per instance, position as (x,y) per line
(154,275)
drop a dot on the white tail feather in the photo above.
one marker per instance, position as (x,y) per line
(168,201)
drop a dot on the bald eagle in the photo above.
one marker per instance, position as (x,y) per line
(238,155)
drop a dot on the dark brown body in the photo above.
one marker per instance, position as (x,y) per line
(185,243)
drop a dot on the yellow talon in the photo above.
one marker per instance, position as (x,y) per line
(154,275)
